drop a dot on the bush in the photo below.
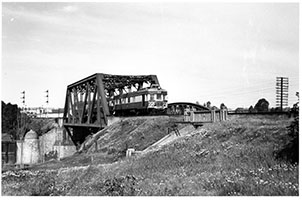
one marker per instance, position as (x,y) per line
(43,185)
(262,105)
(290,151)
(51,155)
(122,186)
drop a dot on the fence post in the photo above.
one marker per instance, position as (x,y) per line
(225,114)
(130,152)
(193,116)
(213,115)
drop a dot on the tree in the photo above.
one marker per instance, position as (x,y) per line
(17,124)
(295,108)
(208,104)
(214,108)
(9,117)
(290,150)
(262,105)
(252,109)
(239,110)
(222,106)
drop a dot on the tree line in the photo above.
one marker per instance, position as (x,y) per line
(17,123)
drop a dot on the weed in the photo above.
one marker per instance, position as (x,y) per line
(290,151)
(121,186)
(235,158)
(43,185)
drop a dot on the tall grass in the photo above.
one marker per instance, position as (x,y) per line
(235,158)
(230,158)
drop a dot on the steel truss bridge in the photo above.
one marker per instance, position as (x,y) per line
(86,108)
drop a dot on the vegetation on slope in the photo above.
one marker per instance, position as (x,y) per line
(236,157)
(9,114)
(233,158)
(136,132)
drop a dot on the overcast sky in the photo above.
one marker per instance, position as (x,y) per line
(220,52)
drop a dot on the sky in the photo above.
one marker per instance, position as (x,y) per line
(227,53)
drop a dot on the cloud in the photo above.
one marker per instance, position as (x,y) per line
(70,9)
(214,46)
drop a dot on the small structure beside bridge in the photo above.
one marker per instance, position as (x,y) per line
(178,108)
(206,116)
(196,114)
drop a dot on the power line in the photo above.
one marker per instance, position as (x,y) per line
(234,91)
(262,84)
(240,92)
(257,85)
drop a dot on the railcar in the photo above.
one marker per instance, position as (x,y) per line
(146,101)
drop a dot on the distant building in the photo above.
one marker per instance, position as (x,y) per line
(41,112)
(241,110)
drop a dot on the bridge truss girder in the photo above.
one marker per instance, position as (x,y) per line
(86,103)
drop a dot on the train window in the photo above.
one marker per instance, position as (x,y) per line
(158,96)
(151,97)
(138,98)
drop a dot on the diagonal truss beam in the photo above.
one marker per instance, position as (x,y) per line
(86,104)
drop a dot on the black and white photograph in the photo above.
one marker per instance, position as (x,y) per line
(151,98)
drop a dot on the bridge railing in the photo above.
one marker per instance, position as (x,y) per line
(206,116)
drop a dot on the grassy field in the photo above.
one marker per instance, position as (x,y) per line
(236,158)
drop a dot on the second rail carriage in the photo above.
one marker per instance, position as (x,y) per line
(147,101)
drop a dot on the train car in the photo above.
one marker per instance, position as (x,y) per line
(147,101)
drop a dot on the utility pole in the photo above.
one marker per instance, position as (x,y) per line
(22,114)
(19,116)
(281,92)
(23,99)
(22,123)
(47,100)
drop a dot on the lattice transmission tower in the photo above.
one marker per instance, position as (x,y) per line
(282,92)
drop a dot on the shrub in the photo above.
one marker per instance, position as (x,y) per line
(51,155)
(43,185)
(290,151)
(122,186)
(112,151)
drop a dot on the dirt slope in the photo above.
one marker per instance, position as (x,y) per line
(135,132)
(110,144)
